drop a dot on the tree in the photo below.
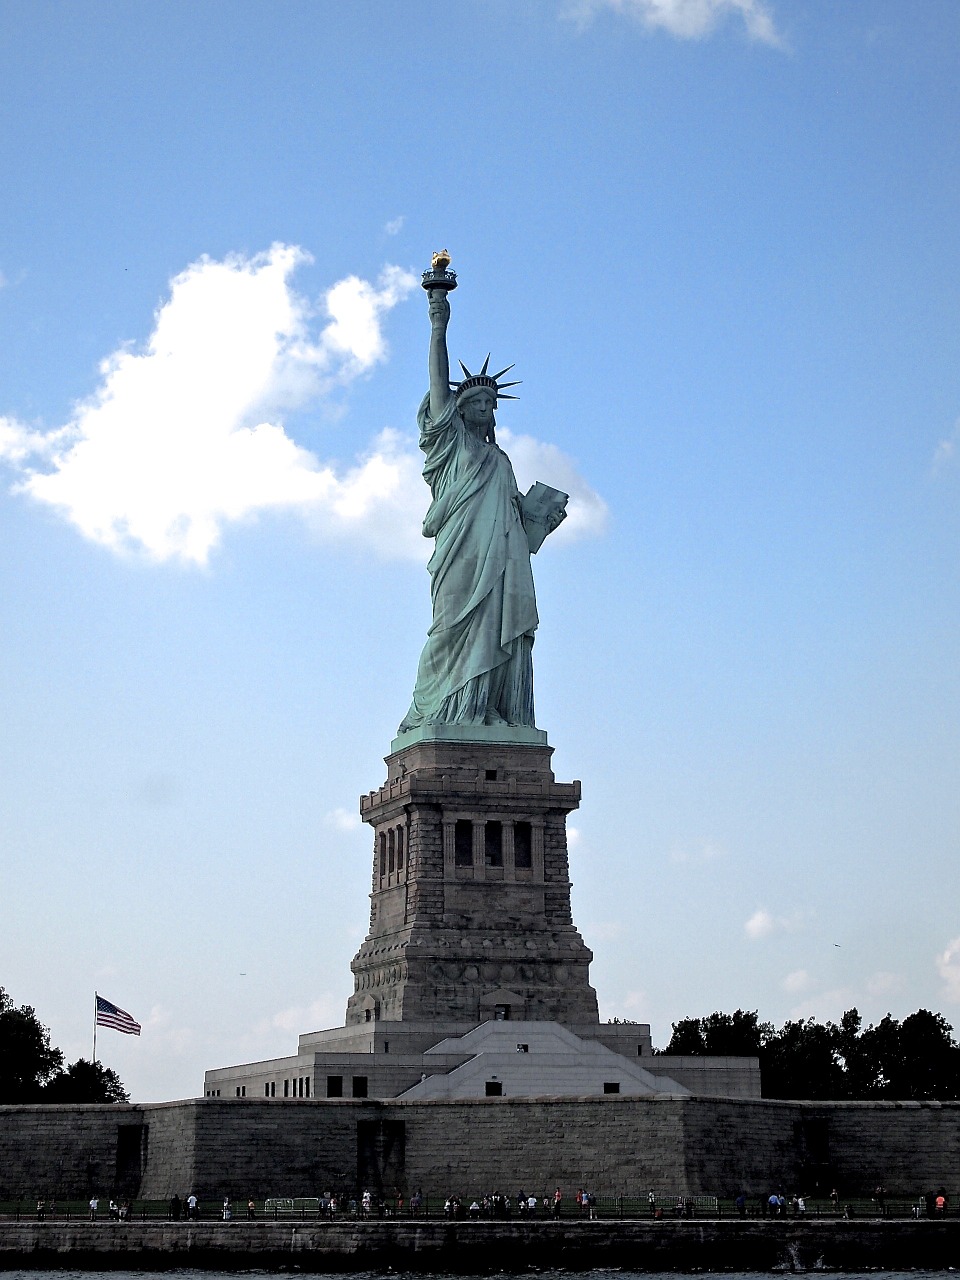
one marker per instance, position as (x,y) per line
(32,1070)
(802,1060)
(916,1059)
(913,1060)
(85,1081)
(28,1061)
(726,1034)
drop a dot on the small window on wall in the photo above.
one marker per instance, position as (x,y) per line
(383,853)
(286,1088)
(334,1086)
(501,1013)
(494,1089)
(359,1086)
(266,1090)
(273,1088)
(391,850)
(493,844)
(399,848)
(463,843)
(611,1086)
(307,1086)
(522,845)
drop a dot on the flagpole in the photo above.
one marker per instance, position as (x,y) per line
(94,1028)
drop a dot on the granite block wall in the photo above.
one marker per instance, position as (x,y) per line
(614,1145)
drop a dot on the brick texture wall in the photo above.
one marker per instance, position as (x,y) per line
(613,1145)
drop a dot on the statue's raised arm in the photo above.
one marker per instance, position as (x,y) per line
(439,306)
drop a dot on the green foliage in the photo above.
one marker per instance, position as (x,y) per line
(913,1060)
(720,1034)
(32,1070)
(28,1061)
(85,1081)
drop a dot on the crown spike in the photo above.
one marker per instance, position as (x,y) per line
(466,371)
(485,364)
(497,376)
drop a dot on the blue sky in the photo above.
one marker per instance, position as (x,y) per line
(719,240)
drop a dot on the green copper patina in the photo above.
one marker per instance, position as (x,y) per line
(475,676)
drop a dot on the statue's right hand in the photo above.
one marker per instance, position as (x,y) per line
(439,305)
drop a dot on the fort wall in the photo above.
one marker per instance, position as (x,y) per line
(614,1145)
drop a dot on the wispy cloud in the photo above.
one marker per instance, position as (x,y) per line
(342,819)
(797,981)
(185,436)
(883,983)
(947,451)
(696,855)
(533,460)
(395,226)
(763,924)
(686,19)
(948,967)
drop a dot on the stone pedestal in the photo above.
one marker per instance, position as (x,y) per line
(470,909)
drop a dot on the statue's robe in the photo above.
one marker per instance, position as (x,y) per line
(477,665)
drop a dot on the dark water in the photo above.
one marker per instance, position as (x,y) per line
(599,1274)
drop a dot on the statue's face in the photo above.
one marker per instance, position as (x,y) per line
(477,409)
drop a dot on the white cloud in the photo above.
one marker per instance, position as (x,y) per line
(185,436)
(884,984)
(947,450)
(948,966)
(686,19)
(603,930)
(797,981)
(342,819)
(532,460)
(395,226)
(762,924)
(573,837)
(300,1019)
(707,852)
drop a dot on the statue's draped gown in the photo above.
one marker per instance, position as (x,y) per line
(477,664)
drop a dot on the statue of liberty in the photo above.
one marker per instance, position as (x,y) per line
(476,667)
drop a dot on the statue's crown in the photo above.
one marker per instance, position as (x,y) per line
(484,379)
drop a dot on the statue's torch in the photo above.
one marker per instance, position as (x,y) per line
(439,277)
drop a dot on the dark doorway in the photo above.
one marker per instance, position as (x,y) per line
(381,1153)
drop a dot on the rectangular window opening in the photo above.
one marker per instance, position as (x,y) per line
(493,844)
(491,775)
(463,843)
(494,1089)
(523,845)
(359,1086)
(611,1086)
(334,1086)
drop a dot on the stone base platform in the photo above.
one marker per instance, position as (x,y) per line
(479,1247)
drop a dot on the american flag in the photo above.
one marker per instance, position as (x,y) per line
(108,1015)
